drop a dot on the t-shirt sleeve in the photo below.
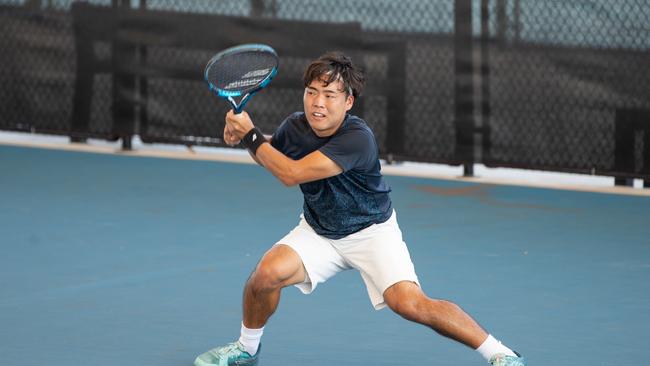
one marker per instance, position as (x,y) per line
(353,149)
(279,137)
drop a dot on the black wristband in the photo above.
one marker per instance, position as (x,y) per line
(253,140)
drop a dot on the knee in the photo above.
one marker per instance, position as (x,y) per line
(407,307)
(406,299)
(281,266)
(265,278)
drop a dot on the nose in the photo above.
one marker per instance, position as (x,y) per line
(319,101)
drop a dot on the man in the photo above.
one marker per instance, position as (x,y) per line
(348,221)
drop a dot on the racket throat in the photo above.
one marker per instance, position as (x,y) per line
(239,106)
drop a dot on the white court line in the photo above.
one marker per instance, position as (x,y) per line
(484,175)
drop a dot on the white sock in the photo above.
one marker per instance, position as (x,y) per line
(491,347)
(250,338)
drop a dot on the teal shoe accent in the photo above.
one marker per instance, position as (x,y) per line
(503,360)
(232,354)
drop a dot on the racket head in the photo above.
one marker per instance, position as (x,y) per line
(240,72)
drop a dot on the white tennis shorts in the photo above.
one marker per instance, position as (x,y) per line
(378,252)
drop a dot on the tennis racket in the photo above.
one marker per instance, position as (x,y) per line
(237,73)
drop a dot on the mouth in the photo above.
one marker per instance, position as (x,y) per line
(317,115)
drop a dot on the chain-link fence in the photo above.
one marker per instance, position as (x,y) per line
(559,75)
(540,84)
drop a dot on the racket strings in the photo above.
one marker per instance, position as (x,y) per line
(241,72)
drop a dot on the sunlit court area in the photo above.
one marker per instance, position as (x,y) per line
(138,215)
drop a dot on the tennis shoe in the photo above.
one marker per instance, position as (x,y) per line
(232,354)
(501,359)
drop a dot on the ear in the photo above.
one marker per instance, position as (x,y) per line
(349,102)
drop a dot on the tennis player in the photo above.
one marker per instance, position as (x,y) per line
(348,221)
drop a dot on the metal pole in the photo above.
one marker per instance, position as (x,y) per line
(486,110)
(502,20)
(464,85)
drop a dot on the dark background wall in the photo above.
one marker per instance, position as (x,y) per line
(548,85)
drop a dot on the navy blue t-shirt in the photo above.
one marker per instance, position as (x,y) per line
(348,202)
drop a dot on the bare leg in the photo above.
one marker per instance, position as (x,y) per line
(280,267)
(448,319)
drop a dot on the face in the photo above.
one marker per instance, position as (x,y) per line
(325,106)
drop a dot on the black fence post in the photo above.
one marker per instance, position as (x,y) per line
(83,85)
(464,85)
(628,125)
(124,93)
(124,86)
(263,8)
(396,125)
(486,106)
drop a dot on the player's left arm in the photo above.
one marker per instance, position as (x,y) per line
(313,166)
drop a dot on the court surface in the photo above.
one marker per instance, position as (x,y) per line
(121,260)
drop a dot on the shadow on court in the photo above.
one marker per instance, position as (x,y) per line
(118,260)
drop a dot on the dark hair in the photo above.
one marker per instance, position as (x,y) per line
(332,66)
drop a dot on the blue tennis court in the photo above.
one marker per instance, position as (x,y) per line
(123,260)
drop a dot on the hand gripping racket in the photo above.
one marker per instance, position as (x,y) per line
(240,72)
